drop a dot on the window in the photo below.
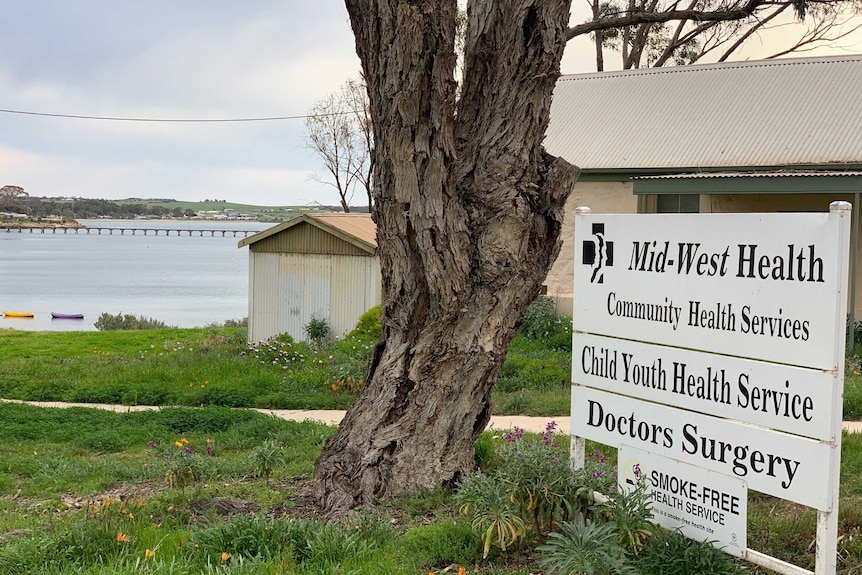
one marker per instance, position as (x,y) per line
(677,204)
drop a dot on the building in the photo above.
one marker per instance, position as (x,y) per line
(320,266)
(762,136)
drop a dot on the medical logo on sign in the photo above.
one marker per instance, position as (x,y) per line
(598,253)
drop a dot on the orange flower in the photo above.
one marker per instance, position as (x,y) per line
(225,556)
(122,538)
(178,443)
(185,441)
(462,570)
(149,553)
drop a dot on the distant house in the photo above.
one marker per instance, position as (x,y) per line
(320,266)
(762,136)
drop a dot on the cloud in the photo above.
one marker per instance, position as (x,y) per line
(194,59)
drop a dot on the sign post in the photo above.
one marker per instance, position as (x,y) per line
(711,347)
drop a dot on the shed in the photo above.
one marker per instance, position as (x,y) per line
(313,266)
(758,136)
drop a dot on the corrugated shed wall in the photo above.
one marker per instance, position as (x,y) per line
(262,296)
(356,286)
(286,290)
(304,291)
(306,239)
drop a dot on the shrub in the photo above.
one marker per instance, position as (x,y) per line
(630,513)
(528,492)
(494,516)
(266,457)
(585,547)
(670,553)
(317,330)
(542,320)
(121,321)
(368,324)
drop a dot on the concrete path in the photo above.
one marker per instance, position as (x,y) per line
(333,417)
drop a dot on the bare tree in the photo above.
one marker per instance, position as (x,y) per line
(10,198)
(658,32)
(338,128)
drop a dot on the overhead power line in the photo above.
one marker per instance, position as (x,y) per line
(187,120)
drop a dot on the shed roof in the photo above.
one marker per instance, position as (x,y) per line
(769,113)
(356,229)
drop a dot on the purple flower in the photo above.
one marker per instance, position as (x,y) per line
(209,450)
(597,454)
(151,443)
(597,474)
(551,427)
(188,449)
(637,470)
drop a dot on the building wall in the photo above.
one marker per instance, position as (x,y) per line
(618,198)
(286,290)
(759,203)
(601,198)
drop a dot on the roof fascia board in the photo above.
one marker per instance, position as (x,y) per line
(616,174)
(808,184)
(272,231)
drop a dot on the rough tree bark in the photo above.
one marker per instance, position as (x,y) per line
(469,210)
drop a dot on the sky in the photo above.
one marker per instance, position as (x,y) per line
(189,59)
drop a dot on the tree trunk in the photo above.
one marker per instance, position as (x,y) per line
(469,210)
(599,39)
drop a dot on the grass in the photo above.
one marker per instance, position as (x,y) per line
(74,479)
(215,366)
(87,494)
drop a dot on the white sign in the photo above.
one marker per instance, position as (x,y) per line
(761,286)
(775,463)
(703,505)
(781,397)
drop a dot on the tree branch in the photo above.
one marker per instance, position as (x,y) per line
(636,18)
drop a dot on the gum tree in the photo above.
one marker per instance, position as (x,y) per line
(469,210)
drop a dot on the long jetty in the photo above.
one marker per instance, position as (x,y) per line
(127,231)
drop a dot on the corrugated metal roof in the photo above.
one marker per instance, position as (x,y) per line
(805,111)
(360,226)
(358,230)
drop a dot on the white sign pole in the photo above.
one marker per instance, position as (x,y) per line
(577,445)
(827,522)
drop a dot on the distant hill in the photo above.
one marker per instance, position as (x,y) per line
(87,208)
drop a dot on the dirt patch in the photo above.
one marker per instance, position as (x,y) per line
(125,492)
(224,506)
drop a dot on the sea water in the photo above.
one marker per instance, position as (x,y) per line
(184,281)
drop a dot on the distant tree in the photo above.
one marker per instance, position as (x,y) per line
(10,198)
(338,129)
(653,33)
